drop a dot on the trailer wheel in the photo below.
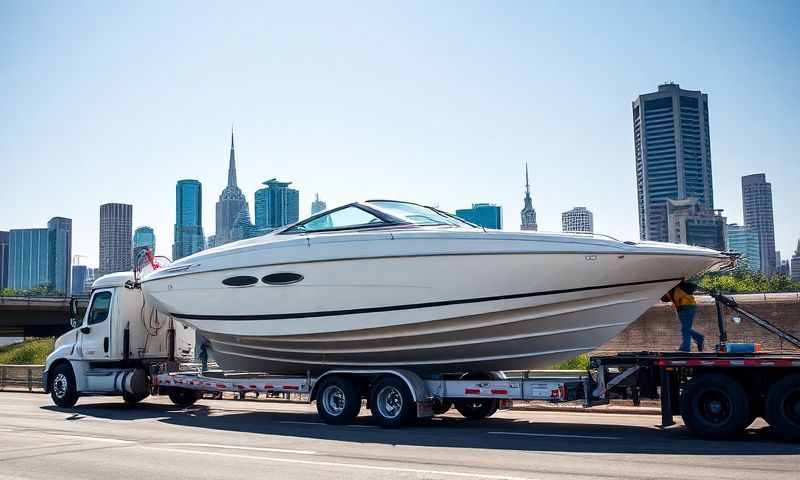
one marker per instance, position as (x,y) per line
(183,397)
(441,405)
(476,408)
(392,403)
(783,408)
(63,389)
(338,401)
(715,406)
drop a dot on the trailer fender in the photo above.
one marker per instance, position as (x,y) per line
(417,386)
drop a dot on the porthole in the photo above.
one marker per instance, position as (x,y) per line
(282,278)
(240,281)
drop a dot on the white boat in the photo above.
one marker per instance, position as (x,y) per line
(395,284)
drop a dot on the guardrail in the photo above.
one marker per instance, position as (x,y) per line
(25,376)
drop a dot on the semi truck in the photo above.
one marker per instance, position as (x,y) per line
(123,346)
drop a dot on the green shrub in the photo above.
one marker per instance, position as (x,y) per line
(581,362)
(29,352)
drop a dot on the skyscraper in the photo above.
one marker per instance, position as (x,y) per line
(579,219)
(484,214)
(757,208)
(672,146)
(60,255)
(28,258)
(80,277)
(115,237)
(189,237)
(691,224)
(231,202)
(744,240)
(276,205)
(795,264)
(3,260)
(528,213)
(144,238)
(318,205)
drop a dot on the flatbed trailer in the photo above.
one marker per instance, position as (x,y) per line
(718,394)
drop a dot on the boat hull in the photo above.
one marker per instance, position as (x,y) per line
(521,338)
(437,313)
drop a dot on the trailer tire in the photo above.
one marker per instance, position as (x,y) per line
(476,408)
(715,406)
(783,408)
(392,402)
(63,389)
(441,405)
(338,401)
(183,397)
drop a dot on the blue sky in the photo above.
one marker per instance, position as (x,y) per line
(436,102)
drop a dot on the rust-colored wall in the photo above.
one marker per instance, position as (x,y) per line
(659,329)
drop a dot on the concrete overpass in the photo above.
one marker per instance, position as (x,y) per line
(36,316)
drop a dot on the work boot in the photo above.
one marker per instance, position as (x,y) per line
(700,344)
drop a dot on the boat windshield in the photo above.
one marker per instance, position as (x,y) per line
(418,214)
(343,218)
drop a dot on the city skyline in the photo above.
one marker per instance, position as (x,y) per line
(348,139)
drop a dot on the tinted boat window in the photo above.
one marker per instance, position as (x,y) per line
(343,218)
(416,214)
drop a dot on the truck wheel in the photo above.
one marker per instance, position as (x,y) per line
(63,389)
(338,401)
(183,397)
(715,406)
(441,405)
(783,408)
(476,408)
(392,403)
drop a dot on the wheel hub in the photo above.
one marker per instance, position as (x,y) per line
(333,400)
(390,402)
(60,385)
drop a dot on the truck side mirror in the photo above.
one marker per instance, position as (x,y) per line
(73,312)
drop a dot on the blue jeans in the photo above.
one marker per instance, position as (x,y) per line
(686,316)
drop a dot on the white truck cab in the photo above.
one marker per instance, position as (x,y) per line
(111,350)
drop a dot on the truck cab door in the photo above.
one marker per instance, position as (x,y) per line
(95,333)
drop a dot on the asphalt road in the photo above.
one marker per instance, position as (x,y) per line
(102,439)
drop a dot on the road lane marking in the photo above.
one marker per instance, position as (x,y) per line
(237,447)
(83,437)
(302,423)
(558,435)
(338,464)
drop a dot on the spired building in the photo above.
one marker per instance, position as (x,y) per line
(59,238)
(579,219)
(745,241)
(528,213)
(231,202)
(483,214)
(276,205)
(757,208)
(672,146)
(189,237)
(116,223)
(318,205)
(3,260)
